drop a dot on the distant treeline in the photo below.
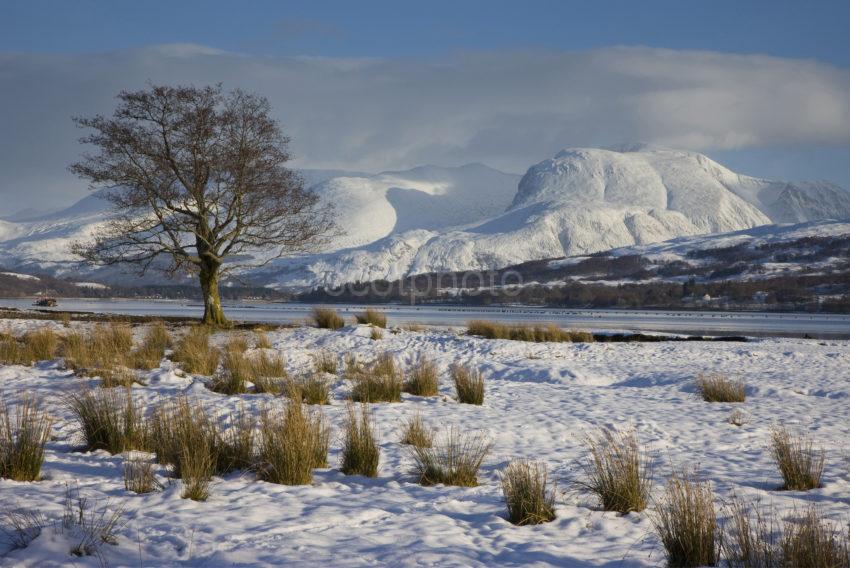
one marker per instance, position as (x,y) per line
(829,293)
(16,287)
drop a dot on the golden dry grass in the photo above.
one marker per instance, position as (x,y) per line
(715,387)
(453,460)
(686,523)
(360,451)
(24,433)
(528,493)
(469,384)
(617,471)
(327,318)
(799,463)
(527,332)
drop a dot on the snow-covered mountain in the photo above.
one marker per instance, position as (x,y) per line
(581,201)
(434,219)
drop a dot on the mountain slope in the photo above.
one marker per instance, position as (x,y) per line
(434,219)
(579,202)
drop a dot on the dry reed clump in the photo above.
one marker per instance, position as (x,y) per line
(360,451)
(233,375)
(617,471)
(382,381)
(105,346)
(469,384)
(139,476)
(376,334)
(15,352)
(753,538)
(523,332)
(417,433)
(42,343)
(197,466)
(686,523)
(236,342)
(150,353)
(327,318)
(715,387)
(292,444)
(454,460)
(528,494)
(325,362)
(194,352)
(23,436)
(108,419)
(312,389)
(116,377)
(799,463)
(423,379)
(261,339)
(90,527)
(372,316)
(180,427)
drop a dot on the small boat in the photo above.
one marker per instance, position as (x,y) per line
(46,303)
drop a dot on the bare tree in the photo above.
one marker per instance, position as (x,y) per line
(198,184)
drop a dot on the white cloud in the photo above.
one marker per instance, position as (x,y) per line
(507,109)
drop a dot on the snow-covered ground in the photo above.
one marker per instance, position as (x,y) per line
(541,401)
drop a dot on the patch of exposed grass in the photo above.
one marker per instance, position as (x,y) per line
(325,362)
(469,384)
(149,354)
(23,435)
(617,471)
(89,526)
(15,352)
(139,475)
(417,433)
(529,496)
(423,379)
(194,352)
(261,339)
(372,316)
(720,388)
(755,539)
(292,444)
(197,466)
(313,389)
(380,382)
(327,318)
(42,343)
(116,377)
(523,332)
(233,375)
(376,334)
(454,460)
(686,523)
(108,419)
(360,451)
(236,342)
(799,463)
(105,346)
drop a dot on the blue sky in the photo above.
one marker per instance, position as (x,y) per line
(784,28)
(763,87)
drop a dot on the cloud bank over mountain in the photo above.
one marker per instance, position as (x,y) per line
(505,109)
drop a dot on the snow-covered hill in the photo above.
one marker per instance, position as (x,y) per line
(434,219)
(579,202)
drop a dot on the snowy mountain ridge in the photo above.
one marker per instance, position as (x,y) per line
(436,219)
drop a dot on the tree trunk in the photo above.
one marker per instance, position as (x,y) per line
(213,314)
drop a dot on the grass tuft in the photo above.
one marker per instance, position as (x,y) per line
(617,471)
(292,444)
(139,475)
(194,352)
(327,318)
(42,344)
(524,332)
(313,389)
(455,460)
(529,496)
(325,362)
(469,384)
(360,451)
(417,433)
(233,375)
(197,466)
(261,339)
(108,419)
(423,379)
(150,353)
(23,436)
(380,382)
(686,523)
(720,388)
(372,316)
(799,463)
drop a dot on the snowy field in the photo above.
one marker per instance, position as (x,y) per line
(542,400)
